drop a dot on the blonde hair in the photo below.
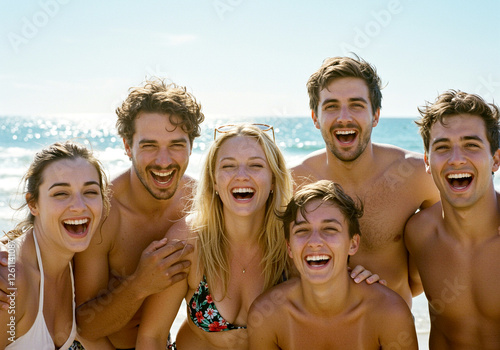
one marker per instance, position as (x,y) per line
(208,220)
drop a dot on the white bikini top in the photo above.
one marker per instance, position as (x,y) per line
(38,337)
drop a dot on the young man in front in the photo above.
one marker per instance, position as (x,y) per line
(456,243)
(345,101)
(324,308)
(128,259)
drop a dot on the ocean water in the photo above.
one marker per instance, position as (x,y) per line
(21,137)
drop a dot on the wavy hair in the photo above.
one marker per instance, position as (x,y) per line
(34,177)
(157,96)
(453,102)
(344,67)
(327,192)
(208,219)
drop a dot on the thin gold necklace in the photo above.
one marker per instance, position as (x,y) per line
(243,268)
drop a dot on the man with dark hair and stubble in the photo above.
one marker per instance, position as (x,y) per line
(345,100)
(130,259)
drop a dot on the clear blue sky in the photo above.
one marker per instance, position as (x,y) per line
(240,57)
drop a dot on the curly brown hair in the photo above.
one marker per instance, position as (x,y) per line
(157,96)
(453,102)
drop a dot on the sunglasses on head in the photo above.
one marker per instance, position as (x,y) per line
(228,127)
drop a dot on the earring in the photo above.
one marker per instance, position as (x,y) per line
(217,193)
(271,191)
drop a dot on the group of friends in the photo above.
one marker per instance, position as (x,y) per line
(265,256)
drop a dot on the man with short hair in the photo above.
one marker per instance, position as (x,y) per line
(345,101)
(324,308)
(130,259)
(456,243)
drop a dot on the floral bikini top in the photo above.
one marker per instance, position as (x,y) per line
(204,313)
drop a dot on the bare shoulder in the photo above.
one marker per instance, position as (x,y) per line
(276,301)
(181,230)
(384,303)
(397,156)
(422,224)
(310,168)
(403,167)
(186,187)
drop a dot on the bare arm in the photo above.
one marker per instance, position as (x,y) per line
(158,314)
(261,332)
(105,309)
(397,327)
(414,280)
(431,197)
(159,310)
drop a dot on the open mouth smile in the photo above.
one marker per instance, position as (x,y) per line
(459,181)
(346,136)
(76,227)
(162,178)
(245,193)
(317,261)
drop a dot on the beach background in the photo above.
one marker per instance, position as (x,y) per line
(65,65)
(21,137)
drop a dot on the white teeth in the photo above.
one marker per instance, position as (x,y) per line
(243,190)
(158,173)
(459,176)
(76,222)
(345,132)
(317,258)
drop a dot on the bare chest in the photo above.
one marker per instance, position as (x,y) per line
(462,284)
(387,207)
(136,233)
(317,334)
